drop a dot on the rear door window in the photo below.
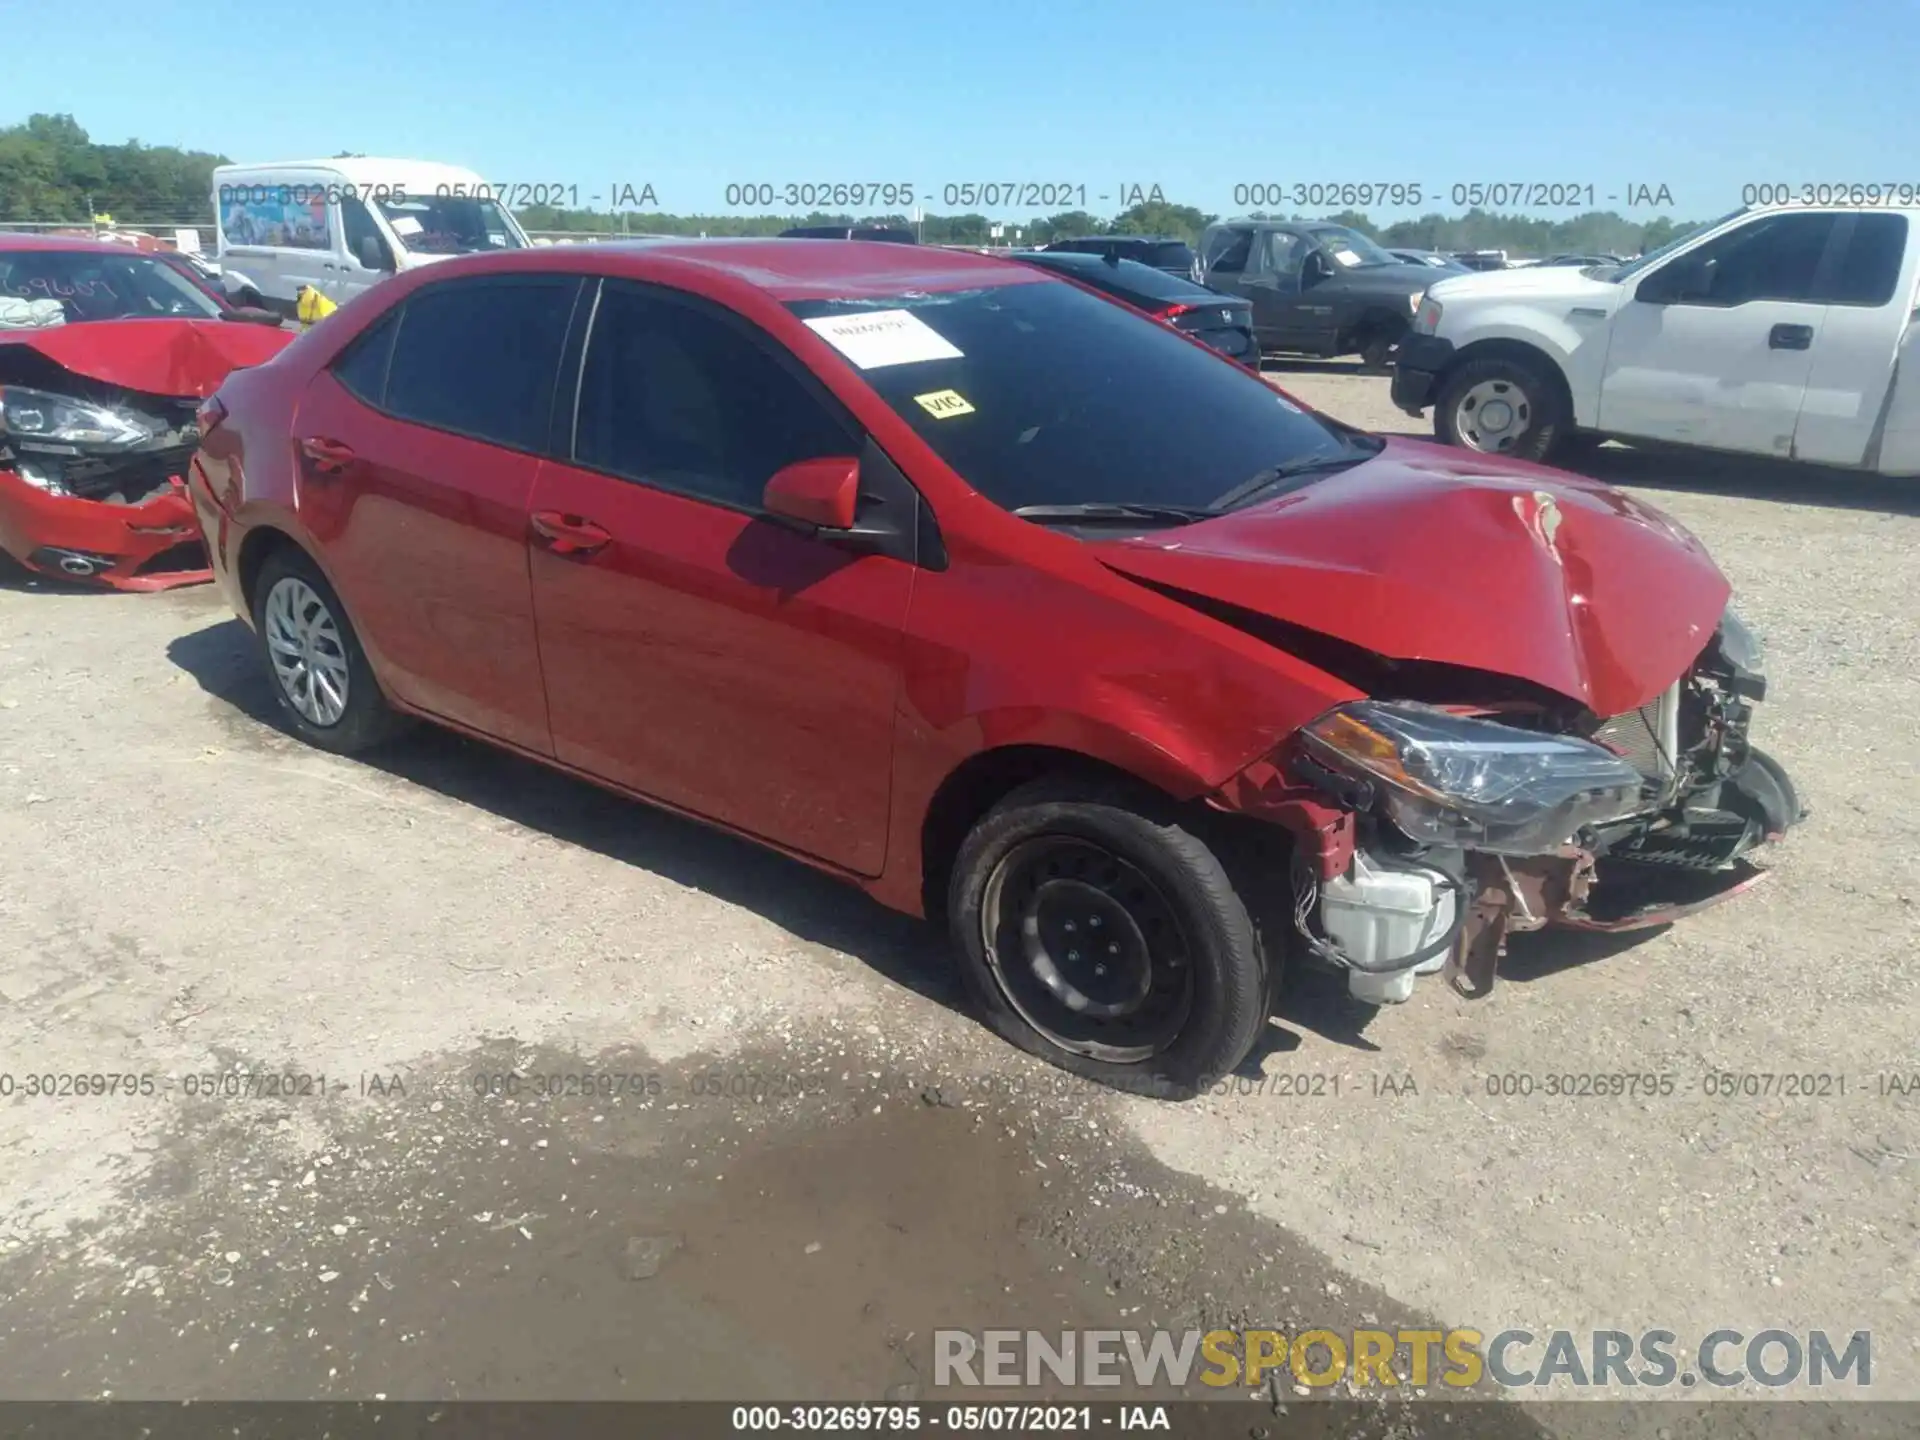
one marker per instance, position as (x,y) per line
(362,368)
(479,357)
(1868,268)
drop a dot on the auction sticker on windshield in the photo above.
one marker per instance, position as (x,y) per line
(883,337)
(942,404)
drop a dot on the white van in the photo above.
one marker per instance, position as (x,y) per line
(343,225)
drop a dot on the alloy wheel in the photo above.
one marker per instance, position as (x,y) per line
(308,651)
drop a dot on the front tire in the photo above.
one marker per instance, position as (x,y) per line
(1101,934)
(1503,406)
(324,687)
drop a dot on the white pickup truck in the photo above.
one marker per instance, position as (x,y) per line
(1784,331)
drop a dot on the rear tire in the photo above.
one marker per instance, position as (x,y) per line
(1506,405)
(321,681)
(1100,933)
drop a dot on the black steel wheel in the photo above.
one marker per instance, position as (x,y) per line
(1097,929)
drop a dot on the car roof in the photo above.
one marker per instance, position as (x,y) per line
(818,270)
(1117,240)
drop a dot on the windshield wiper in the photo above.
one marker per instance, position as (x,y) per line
(1113,510)
(1286,470)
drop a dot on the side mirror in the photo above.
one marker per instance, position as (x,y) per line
(1316,268)
(823,493)
(252,315)
(371,254)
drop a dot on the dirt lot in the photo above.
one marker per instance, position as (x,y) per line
(188,893)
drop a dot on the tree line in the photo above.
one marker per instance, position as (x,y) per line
(51,171)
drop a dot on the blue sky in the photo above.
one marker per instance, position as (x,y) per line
(1198,98)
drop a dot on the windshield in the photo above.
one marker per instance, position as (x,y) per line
(97,286)
(1350,248)
(1008,395)
(1616,273)
(448,224)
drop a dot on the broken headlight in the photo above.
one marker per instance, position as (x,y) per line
(34,419)
(1447,779)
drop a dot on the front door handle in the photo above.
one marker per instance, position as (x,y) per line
(1790,337)
(329,457)
(568,535)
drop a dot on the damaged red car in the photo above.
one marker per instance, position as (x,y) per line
(1005,603)
(106,351)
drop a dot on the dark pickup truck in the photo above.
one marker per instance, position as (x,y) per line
(1317,288)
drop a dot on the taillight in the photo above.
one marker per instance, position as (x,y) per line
(1174,312)
(210,414)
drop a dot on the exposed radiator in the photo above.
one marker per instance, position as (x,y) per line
(1648,738)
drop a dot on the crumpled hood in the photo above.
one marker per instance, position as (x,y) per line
(188,358)
(1436,554)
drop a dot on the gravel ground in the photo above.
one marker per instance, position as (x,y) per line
(190,892)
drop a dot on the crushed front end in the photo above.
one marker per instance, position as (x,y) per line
(92,482)
(1427,833)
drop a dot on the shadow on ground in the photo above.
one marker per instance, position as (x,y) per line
(813,907)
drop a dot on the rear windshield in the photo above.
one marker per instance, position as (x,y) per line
(1026,419)
(96,286)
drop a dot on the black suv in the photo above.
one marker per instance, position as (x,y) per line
(1162,252)
(1223,321)
(893,234)
(1317,288)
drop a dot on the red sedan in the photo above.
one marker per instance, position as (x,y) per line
(1013,607)
(105,352)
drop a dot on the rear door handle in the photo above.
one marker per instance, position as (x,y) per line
(328,456)
(568,535)
(1790,337)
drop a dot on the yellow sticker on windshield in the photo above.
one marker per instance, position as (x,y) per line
(944,404)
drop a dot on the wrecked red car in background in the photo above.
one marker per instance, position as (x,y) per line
(105,353)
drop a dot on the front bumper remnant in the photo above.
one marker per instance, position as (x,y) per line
(1566,890)
(154,545)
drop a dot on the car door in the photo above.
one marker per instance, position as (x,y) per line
(1868,289)
(1716,346)
(418,449)
(696,650)
(1281,313)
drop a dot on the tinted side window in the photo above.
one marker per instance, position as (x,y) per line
(478,357)
(362,366)
(1869,267)
(1774,258)
(678,397)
